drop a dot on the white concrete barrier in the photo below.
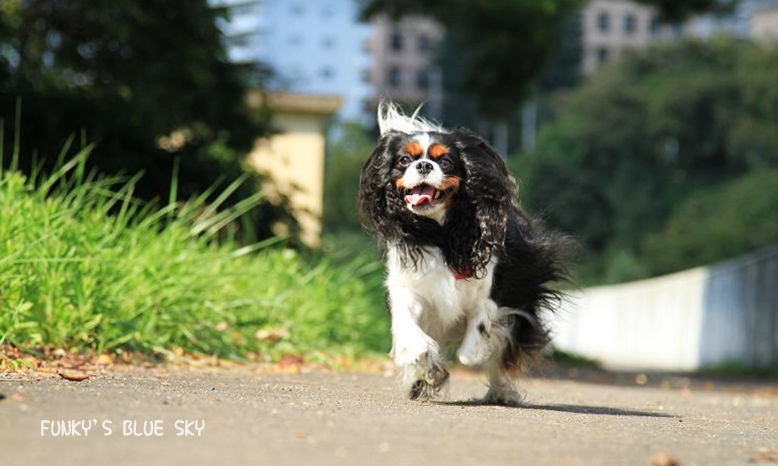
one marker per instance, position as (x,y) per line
(707,316)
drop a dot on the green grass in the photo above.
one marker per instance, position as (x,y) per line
(85,267)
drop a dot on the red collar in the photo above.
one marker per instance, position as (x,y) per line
(464,275)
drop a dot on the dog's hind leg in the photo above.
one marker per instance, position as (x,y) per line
(502,371)
(481,336)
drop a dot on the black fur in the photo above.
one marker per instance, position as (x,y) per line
(485,221)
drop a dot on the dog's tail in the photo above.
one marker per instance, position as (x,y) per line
(535,264)
(391,118)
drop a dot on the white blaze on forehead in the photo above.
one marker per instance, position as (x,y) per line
(424,140)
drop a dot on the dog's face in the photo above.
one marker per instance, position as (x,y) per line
(427,172)
(424,186)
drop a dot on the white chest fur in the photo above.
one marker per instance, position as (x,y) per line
(444,300)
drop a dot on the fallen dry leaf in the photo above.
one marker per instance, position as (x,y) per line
(663,459)
(75,376)
(271,335)
(765,456)
(103,360)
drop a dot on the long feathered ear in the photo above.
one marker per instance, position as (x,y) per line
(490,198)
(379,204)
(372,189)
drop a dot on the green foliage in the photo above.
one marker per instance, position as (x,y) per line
(642,136)
(710,225)
(147,81)
(755,136)
(345,159)
(155,280)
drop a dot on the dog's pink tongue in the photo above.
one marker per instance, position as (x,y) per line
(420,195)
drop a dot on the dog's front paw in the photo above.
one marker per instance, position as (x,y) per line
(425,378)
(436,376)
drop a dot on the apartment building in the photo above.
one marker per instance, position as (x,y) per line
(312,47)
(404,67)
(611,27)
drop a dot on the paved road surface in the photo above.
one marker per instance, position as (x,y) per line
(361,419)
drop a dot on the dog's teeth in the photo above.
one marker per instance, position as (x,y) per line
(437,194)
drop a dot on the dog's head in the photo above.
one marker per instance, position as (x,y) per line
(425,185)
(427,171)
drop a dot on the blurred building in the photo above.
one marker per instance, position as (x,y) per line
(315,48)
(242,29)
(763,23)
(403,61)
(611,27)
(737,24)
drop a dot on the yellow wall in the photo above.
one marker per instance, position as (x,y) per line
(293,160)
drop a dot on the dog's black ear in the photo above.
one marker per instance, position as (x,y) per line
(490,198)
(378,202)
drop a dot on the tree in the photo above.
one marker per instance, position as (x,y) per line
(717,224)
(146,81)
(643,135)
(503,46)
(345,159)
(674,11)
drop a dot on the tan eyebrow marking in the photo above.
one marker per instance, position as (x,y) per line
(437,150)
(413,149)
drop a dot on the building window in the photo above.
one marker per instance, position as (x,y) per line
(365,75)
(395,76)
(367,45)
(241,40)
(295,40)
(328,42)
(298,10)
(604,22)
(424,44)
(326,72)
(656,26)
(602,55)
(243,10)
(396,41)
(327,11)
(630,24)
(678,30)
(423,79)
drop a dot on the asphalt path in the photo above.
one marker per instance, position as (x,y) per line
(184,417)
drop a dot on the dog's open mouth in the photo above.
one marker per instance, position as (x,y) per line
(425,195)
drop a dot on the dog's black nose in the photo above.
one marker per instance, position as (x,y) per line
(423,167)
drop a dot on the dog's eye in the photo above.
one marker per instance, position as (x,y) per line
(404,161)
(445,163)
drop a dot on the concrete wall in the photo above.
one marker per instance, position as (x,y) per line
(698,318)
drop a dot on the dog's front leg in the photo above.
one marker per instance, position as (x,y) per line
(416,354)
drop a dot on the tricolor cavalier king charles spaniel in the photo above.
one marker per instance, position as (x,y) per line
(466,266)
